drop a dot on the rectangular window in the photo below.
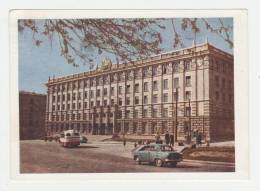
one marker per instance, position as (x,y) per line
(145,113)
(91,93)
(98,103)
(217,81)
(145,100)
(128,89)
(145,86)
(188,81)
(155,86)
(79,105)
(68,106)
(112,91)
(85,95)
(136,88)
(187,111)
(68,97)
(73,106)
(187,95)
(120,102)
(74,96)
(127,114)
(217,96)
(165,84)
(176,82)
(112,102)
(136,100)
(105,102)
(85,105)
(165,112)
(165,97)
(223,83)
(79,96)
(105,92)
(127,100)
(187,65)
(120,90)
(98,92)
(155,98)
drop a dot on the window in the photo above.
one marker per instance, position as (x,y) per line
(105,102)
(164,69)
(127,100)
(128,89)
(79,105)
(155,86)
(188,81)
(112,91)
(165,97)
(145,86)
(127,114)
(145,113)
(112,101)
(165,112)
(187,95)
(165,84)
(63,106)
(145,72)
(155,113)
(136,100)
(79,96)
(120,102)
(98,103)
(92,104)
(58,108)
(155,70)
(63,97)
(187,65)
(68,106)
(135,113)
(105,92)
(120,90)
(224,97)
(73,106)
(145,99)
(175,67)
(74,96)
(85,105)
(155,98)
(68,97)
(85,95)
(136,88)
(176,82)
(98,92)
(91,93)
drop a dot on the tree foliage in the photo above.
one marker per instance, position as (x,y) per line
(126,38)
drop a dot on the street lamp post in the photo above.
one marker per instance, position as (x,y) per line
(176,116)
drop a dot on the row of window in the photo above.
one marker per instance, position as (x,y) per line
(120,89)
(120,101)
(224,97)
(217,83)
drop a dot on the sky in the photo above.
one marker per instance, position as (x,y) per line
(37,64)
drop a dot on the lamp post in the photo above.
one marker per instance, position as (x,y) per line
(176,116)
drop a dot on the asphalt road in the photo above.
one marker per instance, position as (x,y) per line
(50,157)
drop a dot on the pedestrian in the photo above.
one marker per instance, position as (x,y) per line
(171,140)
(167,138)
(135,144)
(157,138)
(124,142)
(198,139)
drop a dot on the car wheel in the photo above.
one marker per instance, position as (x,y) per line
(173,164)
(158,162)
(137,160)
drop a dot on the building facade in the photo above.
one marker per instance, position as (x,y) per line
(181,92)
(32,115)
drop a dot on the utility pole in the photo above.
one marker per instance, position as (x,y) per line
(176,116)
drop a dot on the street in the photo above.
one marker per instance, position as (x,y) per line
(38,156)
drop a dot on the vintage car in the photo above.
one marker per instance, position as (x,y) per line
(70,138)
(158,154)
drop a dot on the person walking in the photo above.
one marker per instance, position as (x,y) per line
(124,142)
(167,138)
(171,140)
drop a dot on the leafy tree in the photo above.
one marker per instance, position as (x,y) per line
(126,38)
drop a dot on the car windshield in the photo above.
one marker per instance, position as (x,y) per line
(166,148)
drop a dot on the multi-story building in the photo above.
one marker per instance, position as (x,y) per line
(32,108)
(181,92)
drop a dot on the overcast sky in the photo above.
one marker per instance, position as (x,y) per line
(36,64)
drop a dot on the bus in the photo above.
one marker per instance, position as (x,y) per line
(70,138)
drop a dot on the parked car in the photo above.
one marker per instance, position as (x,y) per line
(70,138)
(158,154)
(83,139)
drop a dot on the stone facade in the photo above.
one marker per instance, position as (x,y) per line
(32,108)
(181,92)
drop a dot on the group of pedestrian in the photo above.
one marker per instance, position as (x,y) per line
(169,139)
